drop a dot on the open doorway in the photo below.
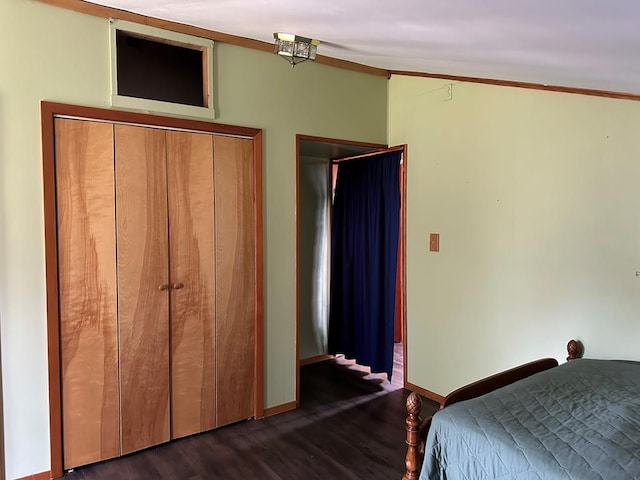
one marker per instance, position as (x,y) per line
(315,180)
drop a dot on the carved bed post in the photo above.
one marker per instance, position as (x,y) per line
(412,459)
(574,349)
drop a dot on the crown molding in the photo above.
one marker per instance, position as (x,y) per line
(528,85)
(110,12)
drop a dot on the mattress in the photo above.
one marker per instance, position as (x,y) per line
(579,421)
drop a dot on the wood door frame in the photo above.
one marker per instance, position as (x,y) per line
(403,240)
(51,110)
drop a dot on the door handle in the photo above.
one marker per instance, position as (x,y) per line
(177,286)
(164,286)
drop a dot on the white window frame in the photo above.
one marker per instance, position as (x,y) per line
(164,36)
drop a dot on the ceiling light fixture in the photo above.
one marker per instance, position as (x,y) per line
(295,49)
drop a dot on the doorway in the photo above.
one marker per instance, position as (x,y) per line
(315,180)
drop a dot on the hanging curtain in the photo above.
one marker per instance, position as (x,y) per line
(364,249)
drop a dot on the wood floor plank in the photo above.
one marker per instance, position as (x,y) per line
(349,425)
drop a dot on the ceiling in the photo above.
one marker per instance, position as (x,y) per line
(573,43)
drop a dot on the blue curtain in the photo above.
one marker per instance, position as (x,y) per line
(364,250)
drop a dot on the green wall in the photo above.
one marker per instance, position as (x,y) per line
(47,53)
(535,196)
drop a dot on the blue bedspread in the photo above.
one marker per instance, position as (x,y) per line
(578,421)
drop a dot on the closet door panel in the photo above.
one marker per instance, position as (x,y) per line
(87,289)
(143,294)
(191,220)
(235,278)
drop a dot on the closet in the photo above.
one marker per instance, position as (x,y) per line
(156,281)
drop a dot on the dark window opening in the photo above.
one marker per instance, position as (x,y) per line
(159,71)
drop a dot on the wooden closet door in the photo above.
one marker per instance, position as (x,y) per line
(87,290)
(191,219)
(143,285)
(235,278)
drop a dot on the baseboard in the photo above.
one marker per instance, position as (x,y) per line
(285,407)
(37,476)
(316,359)
(424,392)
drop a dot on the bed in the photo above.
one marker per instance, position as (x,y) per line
(579,420)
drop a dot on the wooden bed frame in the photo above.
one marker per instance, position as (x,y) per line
(417,428)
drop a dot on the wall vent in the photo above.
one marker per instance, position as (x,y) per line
(158,71)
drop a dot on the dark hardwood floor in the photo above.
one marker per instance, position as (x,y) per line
(350,425)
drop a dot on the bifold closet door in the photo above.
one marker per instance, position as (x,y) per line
(87,290)
(143,285)
(235,225)
(191,224)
